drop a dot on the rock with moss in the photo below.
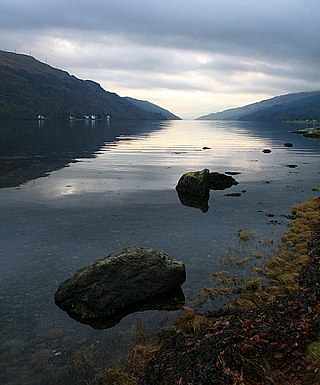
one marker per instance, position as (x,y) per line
(119,282)
(194,183)
(199,183)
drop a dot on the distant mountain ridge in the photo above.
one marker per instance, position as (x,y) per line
(301,105)
(29,88)
(153,108)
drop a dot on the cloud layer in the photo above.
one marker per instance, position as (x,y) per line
(193,57)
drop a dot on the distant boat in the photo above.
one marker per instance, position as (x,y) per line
(72,117)
(87,117)
(93,117)
(40,117)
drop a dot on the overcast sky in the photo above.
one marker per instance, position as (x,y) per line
(192,57)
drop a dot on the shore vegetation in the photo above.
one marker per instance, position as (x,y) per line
(268,334)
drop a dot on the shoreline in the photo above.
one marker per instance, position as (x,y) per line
(312,133)
(268,335)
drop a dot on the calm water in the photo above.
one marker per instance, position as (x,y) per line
(72,193)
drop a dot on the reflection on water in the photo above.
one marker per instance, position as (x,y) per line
(171,301)
(197,202)
(29,149)
(72,193)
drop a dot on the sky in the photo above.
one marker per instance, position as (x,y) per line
(193,57)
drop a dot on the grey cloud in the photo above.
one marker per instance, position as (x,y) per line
(276,27)
(135,81)
(138,40)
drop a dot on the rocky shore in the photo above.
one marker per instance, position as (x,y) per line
(313,133)
(268,335)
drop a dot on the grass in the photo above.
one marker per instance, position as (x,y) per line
(280,273)
(168,354)
(191,323)
(278,278)
(253,284)
(234,261)
(138,359)
(229,284)
(213,292)
(112,376)
(245,235)
(313,353)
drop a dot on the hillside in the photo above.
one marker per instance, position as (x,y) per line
(30,87)
(300,105)
(153,108)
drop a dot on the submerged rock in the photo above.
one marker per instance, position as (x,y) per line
(112,286)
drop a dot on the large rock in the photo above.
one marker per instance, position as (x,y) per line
(194,183)
(194,187)
(119,282)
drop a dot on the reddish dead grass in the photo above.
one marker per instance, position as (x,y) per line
(263,337)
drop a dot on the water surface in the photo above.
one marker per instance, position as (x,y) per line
(73,192)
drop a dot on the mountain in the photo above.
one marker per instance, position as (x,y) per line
(153,108)
(30,88)
(292,106)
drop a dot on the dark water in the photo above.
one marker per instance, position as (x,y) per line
(72,193)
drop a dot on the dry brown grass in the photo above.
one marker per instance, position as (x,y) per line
(281,272)
(139,357)
(277,277)
(313,353)
(245,235)
(112,377)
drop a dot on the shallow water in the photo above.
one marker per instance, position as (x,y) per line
(73,192)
